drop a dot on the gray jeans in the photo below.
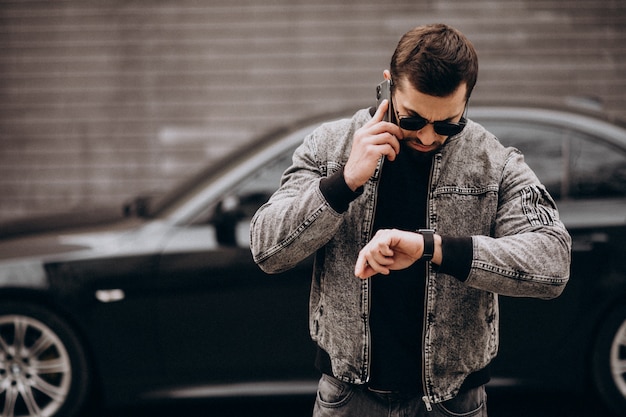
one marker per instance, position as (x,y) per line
(336,398)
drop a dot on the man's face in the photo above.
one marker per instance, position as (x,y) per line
(410,102)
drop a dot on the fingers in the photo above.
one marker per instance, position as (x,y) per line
(390,249)
(384,126)
(365,268)
(381,111)
(374,258)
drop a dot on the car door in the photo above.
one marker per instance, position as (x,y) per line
(221,319)
(587,177)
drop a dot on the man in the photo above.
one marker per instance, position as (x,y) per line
(406,319)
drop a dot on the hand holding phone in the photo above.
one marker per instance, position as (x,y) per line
(372,141)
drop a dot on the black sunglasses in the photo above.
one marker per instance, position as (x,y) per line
(441,127)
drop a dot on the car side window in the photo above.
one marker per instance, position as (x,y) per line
(570,164)
(542,147)
(233,214)
(595,169)
(266,180)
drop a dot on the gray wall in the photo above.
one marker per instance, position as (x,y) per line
(100,100)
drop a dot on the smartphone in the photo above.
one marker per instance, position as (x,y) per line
(383,92)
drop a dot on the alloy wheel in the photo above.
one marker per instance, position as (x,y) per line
(618,359)
(35,368)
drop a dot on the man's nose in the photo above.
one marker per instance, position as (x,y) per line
(427,135)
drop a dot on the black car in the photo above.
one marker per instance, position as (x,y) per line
(164,301)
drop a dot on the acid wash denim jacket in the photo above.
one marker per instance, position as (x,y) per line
(478,188)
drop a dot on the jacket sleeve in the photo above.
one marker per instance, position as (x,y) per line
(297,220)
(529,253)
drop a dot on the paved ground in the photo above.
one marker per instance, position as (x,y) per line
(510,403)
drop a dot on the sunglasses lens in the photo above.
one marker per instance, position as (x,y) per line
(412,123)
(449,129)
(441,128)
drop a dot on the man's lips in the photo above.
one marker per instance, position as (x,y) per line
(419,146)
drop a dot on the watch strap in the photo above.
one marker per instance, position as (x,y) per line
(429,243)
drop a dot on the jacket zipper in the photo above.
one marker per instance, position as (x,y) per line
(369,289)
(426,397)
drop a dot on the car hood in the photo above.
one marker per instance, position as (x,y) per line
(103,236)
(60,221)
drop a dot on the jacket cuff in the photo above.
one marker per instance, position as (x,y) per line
(457,254)
(337,193)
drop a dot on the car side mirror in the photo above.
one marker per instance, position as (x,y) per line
(227,215)
(233,210)
(138,206)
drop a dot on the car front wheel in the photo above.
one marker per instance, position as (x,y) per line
(609,361)
(43,368)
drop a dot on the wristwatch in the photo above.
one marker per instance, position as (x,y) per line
(429,243)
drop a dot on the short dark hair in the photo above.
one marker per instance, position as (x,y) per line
(436,59)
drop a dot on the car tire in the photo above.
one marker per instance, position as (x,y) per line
(609,361)
(43,367)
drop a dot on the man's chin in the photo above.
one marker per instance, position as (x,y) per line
(422,148)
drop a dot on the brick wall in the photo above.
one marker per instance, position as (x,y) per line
(102,100)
